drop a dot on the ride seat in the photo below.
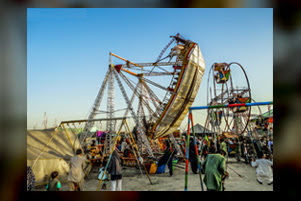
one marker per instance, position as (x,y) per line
(241,108)
(222,76)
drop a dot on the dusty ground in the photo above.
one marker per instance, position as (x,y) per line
(134,181)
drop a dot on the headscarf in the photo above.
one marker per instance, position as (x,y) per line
(114,167)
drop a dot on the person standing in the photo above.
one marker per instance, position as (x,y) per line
(125,145)
(76,174)
(30,179)
(224,146)
(204,149)
(271,132)
(236,150)
(164,160)
(170,153)
(115,170)
(215,171)
(212,147)
(192,156)
(263,169)
(183,145)
(199,145)
(103,175)
(270,145)
(241,146)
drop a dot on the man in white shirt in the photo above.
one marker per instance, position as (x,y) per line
(264,169)
(76,174)
(124,145)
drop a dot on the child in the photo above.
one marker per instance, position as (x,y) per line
(54,184)
(104,178)
(263,169)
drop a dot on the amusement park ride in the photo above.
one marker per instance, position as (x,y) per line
(158,117)
(222,89)
(155,117)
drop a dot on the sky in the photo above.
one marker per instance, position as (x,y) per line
(68,52)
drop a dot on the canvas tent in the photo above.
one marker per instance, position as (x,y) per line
(55,156)
(265,116)
(199,130)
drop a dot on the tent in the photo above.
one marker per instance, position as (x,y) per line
(199,130)
(55,156)
(266,115)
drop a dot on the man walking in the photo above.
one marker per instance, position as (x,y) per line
(214,166)
(76,174)
(193,157)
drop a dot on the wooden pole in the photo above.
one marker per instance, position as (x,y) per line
(138,152)
(68,137)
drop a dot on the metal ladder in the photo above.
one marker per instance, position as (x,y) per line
(107,144)
(111,124)
(95,108)
(173,140)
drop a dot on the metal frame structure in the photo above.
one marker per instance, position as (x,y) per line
(110,77)
(148,100)
(221,91)
(141,87)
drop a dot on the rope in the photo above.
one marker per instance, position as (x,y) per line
(57,129)
(127,126)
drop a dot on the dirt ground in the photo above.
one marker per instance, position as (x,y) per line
(133,180)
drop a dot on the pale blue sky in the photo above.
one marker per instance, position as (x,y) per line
(68,51)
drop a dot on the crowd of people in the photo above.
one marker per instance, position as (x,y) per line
(214,154)
(212,159)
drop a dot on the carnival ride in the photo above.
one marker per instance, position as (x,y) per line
(228,84)
(156,116)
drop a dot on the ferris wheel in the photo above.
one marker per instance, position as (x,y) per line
(162,91)
(228,84)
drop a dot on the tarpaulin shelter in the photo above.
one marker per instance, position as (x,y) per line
(200,130)
(55,156)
